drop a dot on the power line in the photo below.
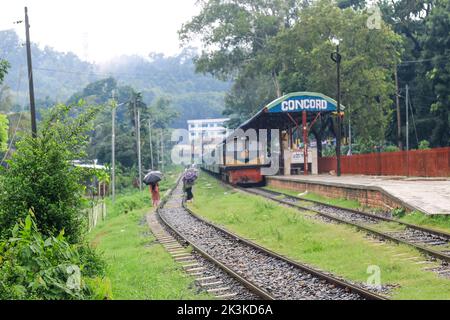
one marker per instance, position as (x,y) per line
(414,121)
(18,121)
(404,63)
(97,73)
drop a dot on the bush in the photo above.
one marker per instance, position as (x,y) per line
(329,151)
(130,201)
(424,145)
(399,212)
(42,179)
(125,178)
(94,265)
(3,132)
(391,149)
(32,267)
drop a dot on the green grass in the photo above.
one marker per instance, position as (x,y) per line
(337,248)
(438,222)
(138,267)
(346,203)
(387,226)
(132,199)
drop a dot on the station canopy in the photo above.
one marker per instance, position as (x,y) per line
(280,113)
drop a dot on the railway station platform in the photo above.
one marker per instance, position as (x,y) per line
(428,195)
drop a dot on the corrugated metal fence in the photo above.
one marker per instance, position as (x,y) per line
(418,163)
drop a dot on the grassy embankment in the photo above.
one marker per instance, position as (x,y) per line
(438,222)
(337,248)
(351,204)
(138,267)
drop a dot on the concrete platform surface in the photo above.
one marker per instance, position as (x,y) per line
(429,195)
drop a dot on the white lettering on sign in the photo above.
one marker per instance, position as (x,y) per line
(297,156)
(306,104)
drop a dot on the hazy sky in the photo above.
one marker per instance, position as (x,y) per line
(101,29)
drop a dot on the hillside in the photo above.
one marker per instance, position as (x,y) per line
(58,75)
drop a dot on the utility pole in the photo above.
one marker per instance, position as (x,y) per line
(397,100)
(162,150)
(349,132)
(138,138)
(139,148)
(30,77)
(407,118)
(113,148)
(151,145)
(202,149)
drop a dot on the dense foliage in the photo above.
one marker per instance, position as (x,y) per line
(41,177)
(34,267)
(160,116)
(3,132)
(42,225)
(59,75)
(4,65)
(273,47)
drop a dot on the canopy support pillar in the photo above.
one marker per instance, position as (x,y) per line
(305,143)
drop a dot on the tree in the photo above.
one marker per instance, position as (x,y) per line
(6,101)
(3,132)
(233,32)
(410,19)
(295,56)
(42,179)
(60,75)
(161,115)
(4,65)
(437,50)
(235,35)
(355,4)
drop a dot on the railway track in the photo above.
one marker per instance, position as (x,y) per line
(265,273)
(208,276)
(431,242)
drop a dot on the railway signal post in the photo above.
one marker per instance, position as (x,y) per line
(336,57)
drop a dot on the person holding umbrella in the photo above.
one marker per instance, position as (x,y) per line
(152,180)
(189,177)
(154,190)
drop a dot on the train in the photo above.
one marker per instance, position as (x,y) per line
(242,166)
(276,138)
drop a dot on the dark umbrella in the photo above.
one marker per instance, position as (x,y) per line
(191,175)
(152,177)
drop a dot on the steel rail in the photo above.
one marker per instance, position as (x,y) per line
(249,285)
(340,283)
(367,214)
(426,250)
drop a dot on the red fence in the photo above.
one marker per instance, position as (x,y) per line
(419,163)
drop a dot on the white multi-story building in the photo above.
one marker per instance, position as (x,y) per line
(204,135)
(206,129)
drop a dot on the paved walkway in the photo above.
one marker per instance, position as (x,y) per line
(428,195)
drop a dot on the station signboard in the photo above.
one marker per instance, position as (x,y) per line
(297,156)
(303,101)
